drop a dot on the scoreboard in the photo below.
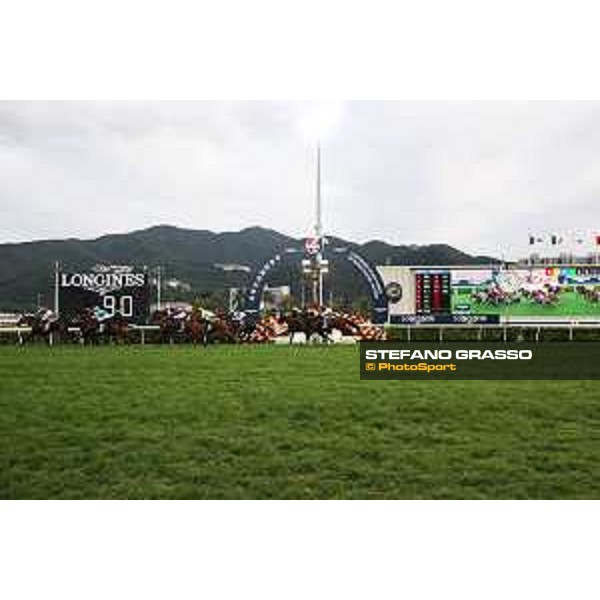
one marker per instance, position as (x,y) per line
(433,293)
(114,288)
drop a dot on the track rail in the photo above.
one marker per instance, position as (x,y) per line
(505,329)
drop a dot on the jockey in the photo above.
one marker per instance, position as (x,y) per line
(326,316)
(101,314)
(178,315)
(43,314)
(46,317)
(239,316)
(210,316)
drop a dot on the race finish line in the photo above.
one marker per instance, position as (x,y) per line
(480,361)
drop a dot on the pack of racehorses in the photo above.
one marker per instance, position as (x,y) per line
(200,327)
(84,327)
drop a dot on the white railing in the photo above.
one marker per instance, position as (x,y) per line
(538,327)
(19,331)
(504,328)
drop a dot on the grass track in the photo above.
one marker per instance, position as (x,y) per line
(280,422)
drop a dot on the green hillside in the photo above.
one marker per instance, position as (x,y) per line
(191,256)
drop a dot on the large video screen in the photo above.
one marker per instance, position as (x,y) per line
(536,291)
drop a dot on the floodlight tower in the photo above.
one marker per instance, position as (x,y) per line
(318,219)
(319,265)
(318,279)
(317,122)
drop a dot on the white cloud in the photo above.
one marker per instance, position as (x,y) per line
(476,175)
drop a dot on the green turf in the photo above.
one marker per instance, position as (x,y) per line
(280,422)
(571,304)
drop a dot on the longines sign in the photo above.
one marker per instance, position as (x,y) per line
(102,282)
(113,288)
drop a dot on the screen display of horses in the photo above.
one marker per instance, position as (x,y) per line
(480,293)
(112,289)
(565,291)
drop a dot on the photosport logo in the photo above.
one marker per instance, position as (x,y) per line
(476,360)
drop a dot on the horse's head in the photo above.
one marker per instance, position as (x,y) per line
(88,319)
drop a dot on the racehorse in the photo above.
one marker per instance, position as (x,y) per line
(169,327)
(93,331)
(196,328)
(222,329)
(242,326)
(309,323)
(116,329)
(591,295)
(40,328)
(88,325)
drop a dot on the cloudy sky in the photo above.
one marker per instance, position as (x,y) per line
(477,175)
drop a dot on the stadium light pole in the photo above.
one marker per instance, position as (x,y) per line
(319,230)
(318,219)
(317,263)
(317,122)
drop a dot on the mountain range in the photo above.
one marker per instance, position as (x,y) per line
(194,262)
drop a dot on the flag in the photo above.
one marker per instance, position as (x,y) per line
(556,239)
(535,240)
(597,240)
